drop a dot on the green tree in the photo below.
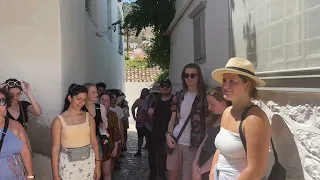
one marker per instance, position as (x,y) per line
(157,14)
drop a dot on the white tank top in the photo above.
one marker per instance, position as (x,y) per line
(232,159)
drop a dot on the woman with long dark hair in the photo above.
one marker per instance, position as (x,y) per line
(75,152)
(186,129)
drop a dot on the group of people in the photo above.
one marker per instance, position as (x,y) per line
(203,133)
(87,137)
(198,133)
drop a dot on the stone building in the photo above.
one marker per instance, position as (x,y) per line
(282,39)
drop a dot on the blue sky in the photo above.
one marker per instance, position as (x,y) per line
(129,0)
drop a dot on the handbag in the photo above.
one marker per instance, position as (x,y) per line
(278,172)
(77,154)
(170,150)
(4,132)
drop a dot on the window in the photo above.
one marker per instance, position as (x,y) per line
(199,34)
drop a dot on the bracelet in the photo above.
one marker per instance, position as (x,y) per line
(30,177)
(98,160)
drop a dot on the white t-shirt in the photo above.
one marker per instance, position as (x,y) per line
(184,113)
(119,113)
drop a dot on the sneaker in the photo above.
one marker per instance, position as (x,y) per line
(137,154)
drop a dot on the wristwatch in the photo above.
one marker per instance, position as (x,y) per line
(167,134)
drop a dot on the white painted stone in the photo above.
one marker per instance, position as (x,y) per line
(312,167)
(301,114)
(310,141)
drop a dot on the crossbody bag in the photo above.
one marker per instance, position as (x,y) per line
(278,172)
(170,150)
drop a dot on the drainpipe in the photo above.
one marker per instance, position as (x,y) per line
(178,15)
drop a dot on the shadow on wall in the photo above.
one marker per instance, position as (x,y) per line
(286,148)
(249,35)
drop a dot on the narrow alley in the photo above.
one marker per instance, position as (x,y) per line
(133,168)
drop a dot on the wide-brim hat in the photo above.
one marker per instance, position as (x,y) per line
(238,66)
(155,88)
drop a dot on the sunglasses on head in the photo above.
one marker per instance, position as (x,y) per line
(13,83)
(192,75)
(3,102)
(165,85)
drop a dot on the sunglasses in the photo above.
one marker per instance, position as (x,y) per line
(3,102)
(192,75)
(165,85)
(14,83)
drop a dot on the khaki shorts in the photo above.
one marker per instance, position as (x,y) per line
(181,160)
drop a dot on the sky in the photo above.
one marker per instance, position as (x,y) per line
(129,0)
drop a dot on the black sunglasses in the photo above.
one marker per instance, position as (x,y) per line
(3,102)
(192,75)
(13,83)
(165,85)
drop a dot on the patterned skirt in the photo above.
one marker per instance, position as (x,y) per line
(78,170)
(12,168)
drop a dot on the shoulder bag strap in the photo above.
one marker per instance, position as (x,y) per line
(243,139)
(4,132)
(193,110)
(243,117)
(23,117)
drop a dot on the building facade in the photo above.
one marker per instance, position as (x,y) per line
(281,38)
(53,43)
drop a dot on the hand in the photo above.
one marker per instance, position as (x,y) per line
(26,88)
(114,153)
(3,85)
(202,170)
(151,111)
(196,171)
(97,173)
(170,141)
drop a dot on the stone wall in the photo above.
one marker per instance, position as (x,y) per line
(295,119)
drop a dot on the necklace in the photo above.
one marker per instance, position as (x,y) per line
(17,109)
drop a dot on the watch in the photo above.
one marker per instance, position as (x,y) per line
(167,134)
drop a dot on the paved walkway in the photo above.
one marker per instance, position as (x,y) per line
(133,168)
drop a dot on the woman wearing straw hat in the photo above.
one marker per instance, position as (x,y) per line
(243,141)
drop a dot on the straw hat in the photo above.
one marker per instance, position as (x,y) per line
(238,66)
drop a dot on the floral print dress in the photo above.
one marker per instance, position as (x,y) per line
(11,164)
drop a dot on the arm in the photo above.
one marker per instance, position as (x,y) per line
(214,163)
(25,152)
(256,129)
(56,133)
(172,121)
(117,137)
(133,109)
(35,108)
(196,159)
(95,147)
(93,138)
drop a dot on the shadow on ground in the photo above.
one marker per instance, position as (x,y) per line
(133,168)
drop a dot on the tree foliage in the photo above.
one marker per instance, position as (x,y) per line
(157,14)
